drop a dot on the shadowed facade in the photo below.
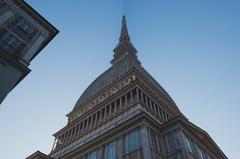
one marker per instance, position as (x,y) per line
(23,34)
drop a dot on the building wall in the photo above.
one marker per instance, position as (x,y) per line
(21,37)
(127,146)
(9,77)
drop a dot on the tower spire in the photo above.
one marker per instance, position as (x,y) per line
(124,32)
(124,46)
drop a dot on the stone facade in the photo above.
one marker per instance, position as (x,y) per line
(23,34)
(126,114)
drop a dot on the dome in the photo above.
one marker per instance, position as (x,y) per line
(113,74)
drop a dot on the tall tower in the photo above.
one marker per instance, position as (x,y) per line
(126,114)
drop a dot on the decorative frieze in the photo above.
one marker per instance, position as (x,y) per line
(105,95)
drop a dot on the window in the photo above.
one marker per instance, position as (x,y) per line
(111,150)
(23,28)
(172,144)
(154,141)
(132,141)
(200,153)
(9,43)
(189,145)
(92,155)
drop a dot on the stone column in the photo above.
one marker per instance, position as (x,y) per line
(88,125)
(115,107)
(91,123)
(101,153)
(148,107)
(145,143)
(120,105)
(142,101)
(126,101)
(54,144)
(100,117)
(110,109)
(81,128)
(105,114)
(84,156)
(120,147)
(131,99)
(159,113)
(137,94)
(151,106)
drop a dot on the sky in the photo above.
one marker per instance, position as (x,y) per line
(192,48)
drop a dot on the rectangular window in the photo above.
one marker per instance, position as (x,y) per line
(172,143)
(111,150)
(189,145)
(200,153)
(23,28)
(92,155)
(9,43)
(132,141)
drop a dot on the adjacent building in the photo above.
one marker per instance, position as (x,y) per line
(23,34)
(126,114)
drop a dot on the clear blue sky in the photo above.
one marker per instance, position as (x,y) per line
(192,48)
